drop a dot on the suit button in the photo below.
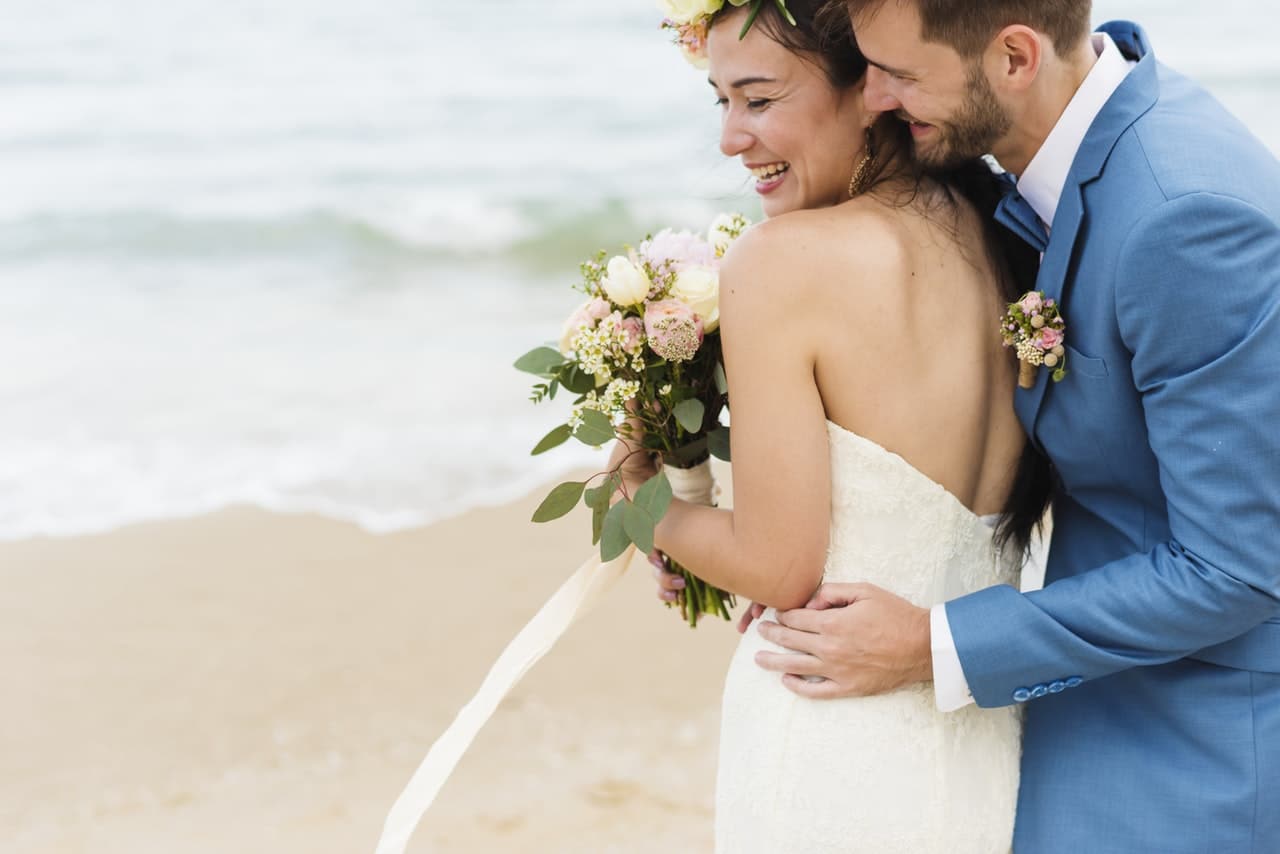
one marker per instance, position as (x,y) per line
(1022,695)
(1039,691)
(1074,682)
(1057,686)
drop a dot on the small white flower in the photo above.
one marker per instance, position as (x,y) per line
(724,230)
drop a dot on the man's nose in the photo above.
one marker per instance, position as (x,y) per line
(878,94)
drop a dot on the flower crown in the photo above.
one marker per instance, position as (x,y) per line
(690,21)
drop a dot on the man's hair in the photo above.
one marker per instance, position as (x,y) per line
(969,25)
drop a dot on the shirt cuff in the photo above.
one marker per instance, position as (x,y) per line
(950,688)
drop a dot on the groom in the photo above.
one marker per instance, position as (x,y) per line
(1150,663)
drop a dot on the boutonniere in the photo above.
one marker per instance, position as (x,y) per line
(1034,327)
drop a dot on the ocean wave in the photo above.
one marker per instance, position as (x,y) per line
(538,233)
(94,491)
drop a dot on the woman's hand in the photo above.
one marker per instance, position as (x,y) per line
(749,616)
(633,463)
(669,583)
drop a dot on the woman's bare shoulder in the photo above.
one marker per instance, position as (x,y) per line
(851,248)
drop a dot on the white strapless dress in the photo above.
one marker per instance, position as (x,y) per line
(884,774)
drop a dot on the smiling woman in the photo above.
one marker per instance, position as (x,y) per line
(830,311)
(799,128)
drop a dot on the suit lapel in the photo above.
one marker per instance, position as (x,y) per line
(1137,94)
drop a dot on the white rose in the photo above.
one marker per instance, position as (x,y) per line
(624,282)
(684,11)
(699,288)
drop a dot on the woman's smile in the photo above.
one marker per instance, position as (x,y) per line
(769,176)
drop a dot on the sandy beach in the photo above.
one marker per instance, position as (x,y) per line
(253,682)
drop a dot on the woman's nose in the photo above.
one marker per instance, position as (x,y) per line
(733,139)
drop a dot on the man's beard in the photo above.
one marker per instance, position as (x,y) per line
(972,132)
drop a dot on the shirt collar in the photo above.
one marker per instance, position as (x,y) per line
(1042,181)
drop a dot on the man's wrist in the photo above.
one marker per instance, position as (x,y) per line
(923,633)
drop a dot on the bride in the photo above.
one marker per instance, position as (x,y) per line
(874,439)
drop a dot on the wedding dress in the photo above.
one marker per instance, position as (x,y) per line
(880,774)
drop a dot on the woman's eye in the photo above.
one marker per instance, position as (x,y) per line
(720,102)
(757,103)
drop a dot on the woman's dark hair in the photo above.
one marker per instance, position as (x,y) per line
(1016,265)
(824,35)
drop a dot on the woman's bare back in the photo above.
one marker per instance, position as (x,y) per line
(910,355)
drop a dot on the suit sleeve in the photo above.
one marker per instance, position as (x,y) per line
(1198,306)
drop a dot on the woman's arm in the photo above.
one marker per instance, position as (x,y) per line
(772,546)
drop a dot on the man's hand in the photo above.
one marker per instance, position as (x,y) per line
(856,639)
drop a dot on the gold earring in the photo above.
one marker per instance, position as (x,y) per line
(861,174)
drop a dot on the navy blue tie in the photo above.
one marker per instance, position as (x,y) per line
(1016,214)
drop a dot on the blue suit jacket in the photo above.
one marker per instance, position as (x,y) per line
(1149,662)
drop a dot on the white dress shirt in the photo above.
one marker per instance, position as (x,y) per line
(1041,184)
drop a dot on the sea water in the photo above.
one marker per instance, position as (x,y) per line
(284,253)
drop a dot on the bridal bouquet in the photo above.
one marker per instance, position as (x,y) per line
(642,357)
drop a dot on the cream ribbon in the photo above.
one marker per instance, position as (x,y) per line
(575,598)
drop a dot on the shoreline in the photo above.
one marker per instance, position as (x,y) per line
(377,523)
(247,680)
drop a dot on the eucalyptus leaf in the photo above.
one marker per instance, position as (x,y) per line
(689,414)
(602,493)
(577,380)
(654,497)
(690,454)
(595,430)
(722,382)
(599,509)
(718,443)
(561,500)
(556,437)
(639,525)
(541,361)
(613,537)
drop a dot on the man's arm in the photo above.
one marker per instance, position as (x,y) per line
(1198,305)
(1200,310)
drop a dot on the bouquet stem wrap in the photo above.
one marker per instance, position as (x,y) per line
(575,598)
(697,486)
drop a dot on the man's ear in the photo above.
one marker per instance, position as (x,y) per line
(1012,59)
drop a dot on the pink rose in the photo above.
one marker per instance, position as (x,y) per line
(675,332)
(680,249)
(634,329)
(598,309)
(1031,303)
(1048,338)
(580,318)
